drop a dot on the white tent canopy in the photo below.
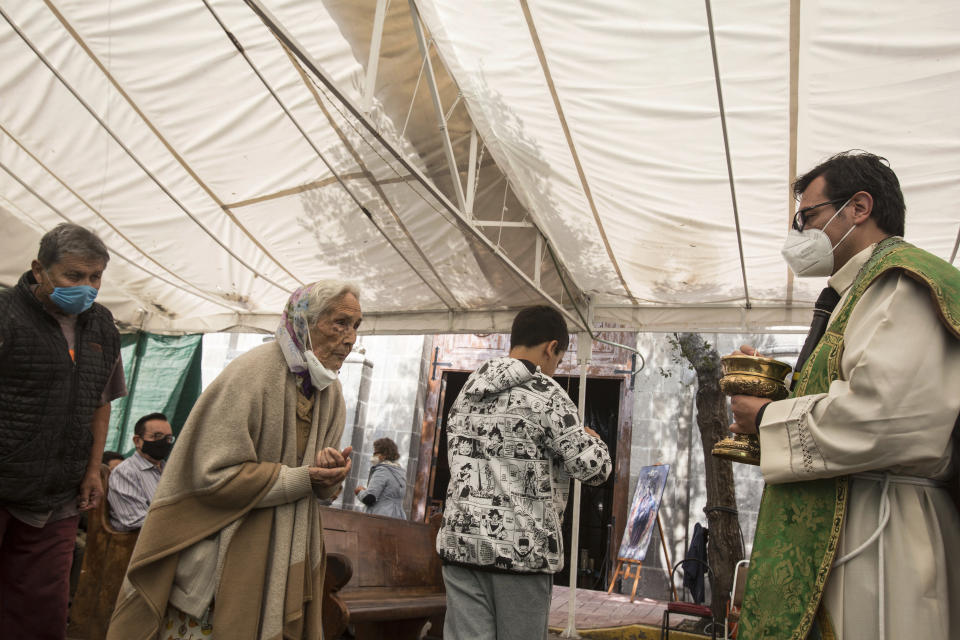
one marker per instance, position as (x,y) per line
(228,151)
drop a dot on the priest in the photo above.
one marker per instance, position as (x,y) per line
(857,521)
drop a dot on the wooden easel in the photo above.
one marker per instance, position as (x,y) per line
(629,568)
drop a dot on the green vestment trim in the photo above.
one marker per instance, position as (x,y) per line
(799,523)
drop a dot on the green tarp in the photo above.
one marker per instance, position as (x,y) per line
(162,374)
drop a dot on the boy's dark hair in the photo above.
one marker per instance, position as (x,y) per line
(539,324)
(850,171)
(108,456)
(140,428)
(386,448)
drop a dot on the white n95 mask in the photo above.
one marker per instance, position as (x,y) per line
(809,252)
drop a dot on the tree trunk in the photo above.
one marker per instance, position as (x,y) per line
(724,548)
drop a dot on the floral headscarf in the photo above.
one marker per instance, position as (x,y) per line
(293,336)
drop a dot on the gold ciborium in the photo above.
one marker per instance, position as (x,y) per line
(749,376)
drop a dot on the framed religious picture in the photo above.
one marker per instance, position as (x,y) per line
(643,512)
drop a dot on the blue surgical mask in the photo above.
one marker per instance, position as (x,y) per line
(74,300)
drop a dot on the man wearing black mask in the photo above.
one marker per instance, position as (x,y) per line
(134,481)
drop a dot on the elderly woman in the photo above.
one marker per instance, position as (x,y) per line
(384,495)
(233,538)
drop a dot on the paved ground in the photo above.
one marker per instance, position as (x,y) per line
(613,617)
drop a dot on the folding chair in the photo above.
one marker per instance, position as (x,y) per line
(687,608)
(732,618)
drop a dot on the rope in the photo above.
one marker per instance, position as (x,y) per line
(733,510)
(882,519)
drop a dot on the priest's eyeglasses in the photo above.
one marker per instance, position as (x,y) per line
(803,215)
(156,437)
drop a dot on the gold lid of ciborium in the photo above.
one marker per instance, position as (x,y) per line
(751,376)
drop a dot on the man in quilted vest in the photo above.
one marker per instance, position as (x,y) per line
(857,529)
(59,369)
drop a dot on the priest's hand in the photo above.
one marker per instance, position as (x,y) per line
(745,409)
(746,350)
(332,466)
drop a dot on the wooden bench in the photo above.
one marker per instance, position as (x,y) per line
(383,576)
(105,563)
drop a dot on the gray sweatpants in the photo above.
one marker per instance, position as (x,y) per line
(484,605)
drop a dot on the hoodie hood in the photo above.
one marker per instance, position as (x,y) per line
(393,468)
(497,375)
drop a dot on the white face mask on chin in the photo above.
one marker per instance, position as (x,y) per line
(320,376)
(809,252)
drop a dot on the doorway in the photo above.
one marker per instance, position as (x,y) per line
(596,503)
(450,387)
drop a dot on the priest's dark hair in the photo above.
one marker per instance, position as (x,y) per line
(856,170)
(539,324)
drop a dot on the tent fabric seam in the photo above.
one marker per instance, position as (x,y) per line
(163,140)
(107,222)
(122,256)
(383,196)
(257,7)
(541,54)
(130,153)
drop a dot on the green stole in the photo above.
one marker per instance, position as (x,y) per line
(799,523)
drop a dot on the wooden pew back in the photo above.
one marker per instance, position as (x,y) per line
(105,563)
(382,571)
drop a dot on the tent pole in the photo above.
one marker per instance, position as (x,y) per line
(139,348)
(584,347)
(464,221)
(373,60)
(538,259)
(449,299)
(794,118)
(438,107)
(471,173)
(726,151)
(574,155)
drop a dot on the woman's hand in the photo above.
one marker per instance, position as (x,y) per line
(332,466)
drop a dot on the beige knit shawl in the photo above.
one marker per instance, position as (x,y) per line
(226,459)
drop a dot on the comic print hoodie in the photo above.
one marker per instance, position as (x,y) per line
(514,440)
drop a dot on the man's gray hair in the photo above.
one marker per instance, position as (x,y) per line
(67,238)
(323,294)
